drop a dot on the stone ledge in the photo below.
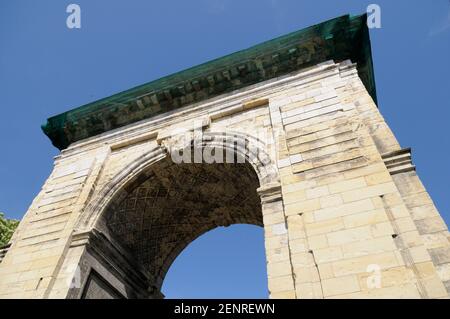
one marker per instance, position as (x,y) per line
(399,161)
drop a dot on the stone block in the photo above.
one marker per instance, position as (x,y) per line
(317,192)
(361,264)
(326,271)
(317,242)
(326,255)
(347,185)
(303,259)
(309,290)
(368,247)
(331,201)
(378,178)
(430,225)
(371,217)
(302,207)
(324,226)
(277,254)
(306,274)
(280,284)
(279,269)
(440,255)
(368,192)
(343,210)
(435,288)
(340,286)
(349,235)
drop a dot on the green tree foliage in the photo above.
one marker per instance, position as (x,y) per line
(7,228)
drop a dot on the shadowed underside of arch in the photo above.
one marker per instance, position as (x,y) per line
(173,204)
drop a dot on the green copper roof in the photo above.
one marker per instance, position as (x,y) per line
(339,39)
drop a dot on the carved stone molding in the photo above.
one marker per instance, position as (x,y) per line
(186,130)
(399,161)
(270,192)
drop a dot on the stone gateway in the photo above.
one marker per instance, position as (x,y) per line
(344,213)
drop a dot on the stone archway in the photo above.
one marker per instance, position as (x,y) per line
(337,192)
(155,207)
(246,147)
(176,204)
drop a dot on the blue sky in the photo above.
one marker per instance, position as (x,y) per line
(46,69)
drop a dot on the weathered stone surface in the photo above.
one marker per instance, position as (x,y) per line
(338,199)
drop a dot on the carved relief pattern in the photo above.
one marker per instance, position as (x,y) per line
(178,203)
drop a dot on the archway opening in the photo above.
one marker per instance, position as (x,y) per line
(169,205)
(223,263)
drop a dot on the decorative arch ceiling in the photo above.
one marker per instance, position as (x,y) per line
(178,203)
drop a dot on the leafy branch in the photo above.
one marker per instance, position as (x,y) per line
(7,228)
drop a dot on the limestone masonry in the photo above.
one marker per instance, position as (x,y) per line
(344,213)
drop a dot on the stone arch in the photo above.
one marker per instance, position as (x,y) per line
(111,214)
(257,156)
